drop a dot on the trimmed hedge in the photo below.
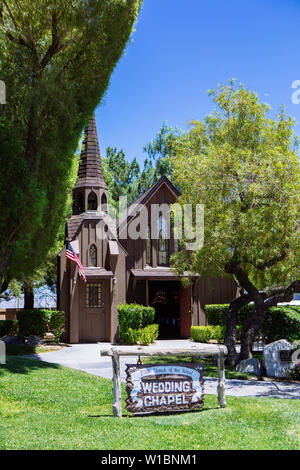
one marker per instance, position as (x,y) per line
(40,321)
(217,314)
(143,336)
(204,334)
(8,328)
(281,321)
(136,324)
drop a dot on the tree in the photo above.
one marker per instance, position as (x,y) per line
(126,178)
(120,175)
(159,151)
(243,166)
(56,61)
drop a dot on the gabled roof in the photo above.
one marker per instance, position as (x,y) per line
(90,168)
(146,196)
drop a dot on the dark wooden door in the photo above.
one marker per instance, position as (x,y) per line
(94,311)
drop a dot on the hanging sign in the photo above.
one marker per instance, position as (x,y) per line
(153,388)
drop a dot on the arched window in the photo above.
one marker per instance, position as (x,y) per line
(104,203)
(163,243)
(149,247)
(78,206)
(93,256)
(92,202)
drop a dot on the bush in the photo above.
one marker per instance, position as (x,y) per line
(294,374)
(136,324)
(202,333)
(40,321)
(216,314)
(57,324)
(219,333)
(8,328)
(33,322)
(281,322)
(143,336)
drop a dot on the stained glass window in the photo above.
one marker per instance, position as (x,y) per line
(93,256)
(149,248)
(163,243)
(94,295)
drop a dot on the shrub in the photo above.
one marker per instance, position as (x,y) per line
(294,374)
(281,322)
(202,333)
(33,322)
(135,322)
(219,333)
(143,336)
(40,321)
(8,327)
(57,323)
(216,314)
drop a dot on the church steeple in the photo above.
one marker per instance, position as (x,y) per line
(90,191)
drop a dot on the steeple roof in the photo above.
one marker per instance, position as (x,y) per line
(90,172)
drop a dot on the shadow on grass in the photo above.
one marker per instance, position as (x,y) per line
(158,414)
(18,365)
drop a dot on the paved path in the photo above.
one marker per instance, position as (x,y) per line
(86,357)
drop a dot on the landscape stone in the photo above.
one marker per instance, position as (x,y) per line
(13,340)
(34,340)
(49,337)
(274,366)
(249,366)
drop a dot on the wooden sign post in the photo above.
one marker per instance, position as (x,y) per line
(184,383)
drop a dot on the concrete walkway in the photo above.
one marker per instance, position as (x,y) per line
(86,357)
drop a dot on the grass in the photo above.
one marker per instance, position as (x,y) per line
(25,349)
(45,406)
(210,369)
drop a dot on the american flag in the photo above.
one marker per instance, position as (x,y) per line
(70,254)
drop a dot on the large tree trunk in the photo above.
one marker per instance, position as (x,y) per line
(251,328)
(28,296)
(3,263)
(230,336)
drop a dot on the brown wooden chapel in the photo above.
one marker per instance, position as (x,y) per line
(120,269)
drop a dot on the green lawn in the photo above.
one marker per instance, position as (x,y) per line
(44,406)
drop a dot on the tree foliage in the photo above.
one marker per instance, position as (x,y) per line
(56,61)
(127,178)
(243,166)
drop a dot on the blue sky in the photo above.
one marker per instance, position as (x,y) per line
(182,48)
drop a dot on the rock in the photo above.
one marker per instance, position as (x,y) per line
(34,340)
(49,337)
(13,340)
(275,366)
(249,366)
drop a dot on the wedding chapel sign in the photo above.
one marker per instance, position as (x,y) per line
(164,388)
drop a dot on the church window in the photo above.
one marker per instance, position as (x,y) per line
(93,256)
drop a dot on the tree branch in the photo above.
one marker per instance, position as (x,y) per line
(285,295)
(57,42)
(273,261)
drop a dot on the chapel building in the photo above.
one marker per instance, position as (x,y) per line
(119,269)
